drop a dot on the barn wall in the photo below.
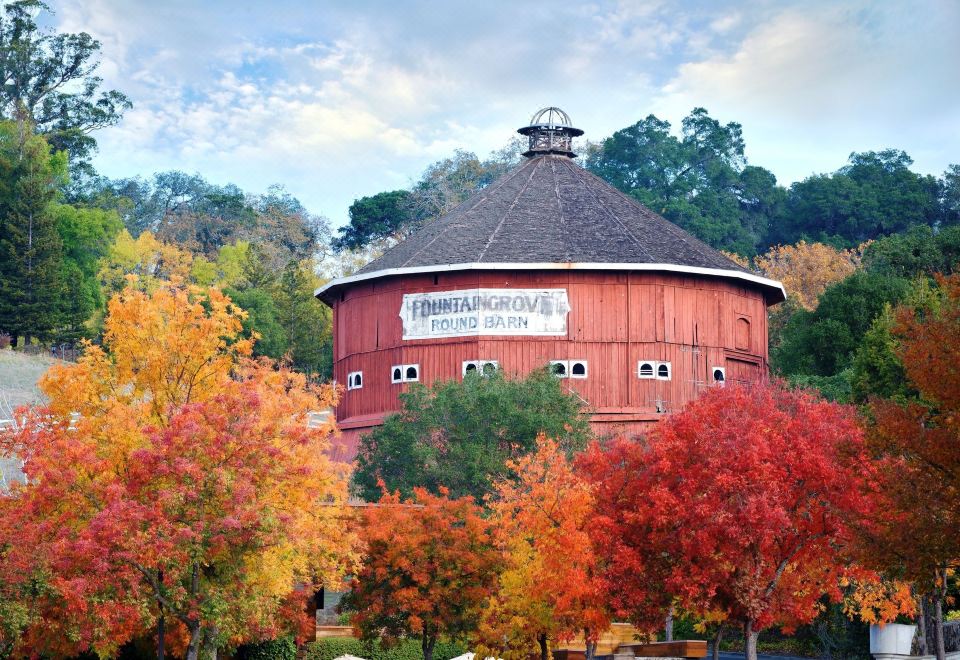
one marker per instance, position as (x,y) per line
(616,319)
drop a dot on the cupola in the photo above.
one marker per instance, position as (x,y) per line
(550,132)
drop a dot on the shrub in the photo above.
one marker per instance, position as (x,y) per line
(273,649)
(5,340)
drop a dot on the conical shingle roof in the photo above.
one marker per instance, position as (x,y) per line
(550,212)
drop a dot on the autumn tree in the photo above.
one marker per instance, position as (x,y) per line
(460,434)
(807,269)
(428,565)
(919,440)
(741,503)
(171,481)
(550,588)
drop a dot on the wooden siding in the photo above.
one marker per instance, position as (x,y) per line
(616,320)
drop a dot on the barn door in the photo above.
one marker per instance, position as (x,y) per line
(742,372)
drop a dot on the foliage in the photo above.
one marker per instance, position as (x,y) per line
(443,185)
(550,586)
(429,563)
(917,251)
(807,269)
(284,648)
(740,503)
(31,249)
(148,259)
(408,649)
(459,435)
(920,440)
(822,342)
(50,80)
(172,490)
(874,195)
(377,217)
(87,235)
(700,180)
(261,321)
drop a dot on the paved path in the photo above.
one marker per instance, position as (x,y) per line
(726,655)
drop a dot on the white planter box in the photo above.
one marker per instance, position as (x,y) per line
(891,639)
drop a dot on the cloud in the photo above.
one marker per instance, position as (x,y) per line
(812,85)
(339,100)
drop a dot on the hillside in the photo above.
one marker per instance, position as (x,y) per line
(19,374)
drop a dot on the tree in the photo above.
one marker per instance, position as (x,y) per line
(149,260)
(31,250)
(49,79)
(919,440)
(371,218)
(822,342)
(807,269)
(308,324)
(550,587)
(428,565)
(87,235)
(171,480)
(915,252)
(874,195)
(741,503)
(459,435)
(699,181)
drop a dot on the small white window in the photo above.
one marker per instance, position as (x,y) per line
(663,371)
(404,373)
(646,369)
(578,369)
(354,380)
(558,368)
(719,375)
(485,367)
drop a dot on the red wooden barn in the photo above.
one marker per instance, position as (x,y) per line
(549,265)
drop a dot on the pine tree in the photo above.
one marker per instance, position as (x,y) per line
(31,252)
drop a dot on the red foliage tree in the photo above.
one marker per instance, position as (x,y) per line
(428,566)
(741,503)
(920,444)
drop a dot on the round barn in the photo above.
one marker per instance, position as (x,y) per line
(549,265)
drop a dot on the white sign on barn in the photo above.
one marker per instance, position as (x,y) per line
(485,312)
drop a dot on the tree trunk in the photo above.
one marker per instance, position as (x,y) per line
(716,643)
(210,642)
(193,650)
(161,625)
(938,626)
(544,648)
(668,626)
(591,647)
(427,645)
(749,641)
(922,625)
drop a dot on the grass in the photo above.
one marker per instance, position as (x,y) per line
(19,374)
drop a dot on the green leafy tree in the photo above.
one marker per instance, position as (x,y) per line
(458,435)
(50,79)
(874,195)
(379,216)
(307,322)
(262,319)
(822,342)
(31,250)
(698,180)
(917,251)
(87,235)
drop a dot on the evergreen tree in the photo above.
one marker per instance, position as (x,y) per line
(31,250)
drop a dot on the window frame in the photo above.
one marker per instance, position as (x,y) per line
(669,367)
(653,369)
(351,380)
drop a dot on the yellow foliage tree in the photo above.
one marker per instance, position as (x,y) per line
(806,269)
(150,260)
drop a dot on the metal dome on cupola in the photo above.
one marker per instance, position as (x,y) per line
(550,132)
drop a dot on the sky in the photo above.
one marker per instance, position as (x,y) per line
(338,100)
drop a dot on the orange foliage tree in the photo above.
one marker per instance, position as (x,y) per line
(807,269)
(741,504)
(550,588)
(169,479)
(428,565)
(920,442)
